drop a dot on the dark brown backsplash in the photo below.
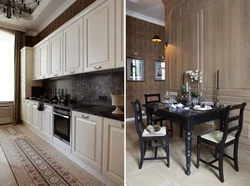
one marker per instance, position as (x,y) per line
(139,36)
(86,88)
(68,14)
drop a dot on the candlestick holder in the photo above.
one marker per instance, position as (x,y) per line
(217,98)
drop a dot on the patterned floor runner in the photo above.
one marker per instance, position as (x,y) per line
(31,165)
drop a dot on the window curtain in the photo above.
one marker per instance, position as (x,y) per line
(19,44)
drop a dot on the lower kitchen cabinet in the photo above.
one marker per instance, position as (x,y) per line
(23,111)
(87,138)
(46,121)
(29,106)
(113,150)
(36,117)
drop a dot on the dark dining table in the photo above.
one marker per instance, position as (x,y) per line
(188,119)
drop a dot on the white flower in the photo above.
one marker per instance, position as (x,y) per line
(195,76)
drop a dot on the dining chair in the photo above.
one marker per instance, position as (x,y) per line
(156,98)
(145,137)
(220,139)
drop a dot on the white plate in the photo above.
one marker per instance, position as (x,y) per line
(198,107)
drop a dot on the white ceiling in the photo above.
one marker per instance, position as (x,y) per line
(148,10)
(46,12)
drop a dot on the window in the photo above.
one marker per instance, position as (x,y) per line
(7,41)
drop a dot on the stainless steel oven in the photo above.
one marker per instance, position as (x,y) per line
(62,124)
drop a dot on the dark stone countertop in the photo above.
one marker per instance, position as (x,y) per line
(100,111)
(90,109)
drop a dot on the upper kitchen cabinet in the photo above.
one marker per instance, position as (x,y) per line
(44,60)
(27,72)
(119,26)
(36,64)
(73,62)
(99,37)
(56,55)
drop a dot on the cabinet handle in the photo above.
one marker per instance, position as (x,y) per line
(98,67)
(43,76)
(72,72)
(86,117)
(122,125)
(55,74)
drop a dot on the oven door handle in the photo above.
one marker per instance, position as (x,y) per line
(61,115)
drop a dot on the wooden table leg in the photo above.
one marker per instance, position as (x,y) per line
(188,141)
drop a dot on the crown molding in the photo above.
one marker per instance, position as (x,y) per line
(145,18)
(9,26)
(54,16)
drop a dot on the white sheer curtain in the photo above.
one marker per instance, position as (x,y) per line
(7,40)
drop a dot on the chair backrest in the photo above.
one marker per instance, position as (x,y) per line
(139,124)
(233,121)
(152,98)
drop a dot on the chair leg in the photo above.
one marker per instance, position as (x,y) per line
(142,153)
(167,152)
(215,152)
(181,131)
(198,152)
(156,149)
(236,165)
(171,128)
(161,123)
(221,153)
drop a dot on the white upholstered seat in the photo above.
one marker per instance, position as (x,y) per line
(161,132)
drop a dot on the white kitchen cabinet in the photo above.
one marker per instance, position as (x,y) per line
(113,150)
(44,60)
(36,117)
(73,62)
(46,121)
(56,54)
(29,106)
(23,110)
(87,138)
(99,37)
(27,73)
(119,22)
(36,64)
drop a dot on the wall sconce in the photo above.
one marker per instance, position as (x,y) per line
(156,39)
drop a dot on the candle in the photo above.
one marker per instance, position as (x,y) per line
(218,78)
(186,86)
(183,78)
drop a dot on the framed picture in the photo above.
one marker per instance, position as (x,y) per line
(159,70)
(135,69)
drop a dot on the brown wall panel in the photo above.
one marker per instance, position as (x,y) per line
(139,36)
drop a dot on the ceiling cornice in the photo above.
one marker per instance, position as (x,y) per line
(145,18)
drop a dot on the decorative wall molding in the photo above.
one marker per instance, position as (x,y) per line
(145,18)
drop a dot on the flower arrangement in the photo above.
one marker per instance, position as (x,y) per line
(195,76)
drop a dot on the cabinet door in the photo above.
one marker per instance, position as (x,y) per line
(36,66)
(46,121)
(119,22)
(73,62)
(99,38)
(87,138)
(113,142)
(56,47)
(29,106)
(36,117)
(23,110)
(44,54)
(23,96)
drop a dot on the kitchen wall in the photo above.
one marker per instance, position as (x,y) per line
(86,88)
(209,36)
(73,10)
(139,36)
